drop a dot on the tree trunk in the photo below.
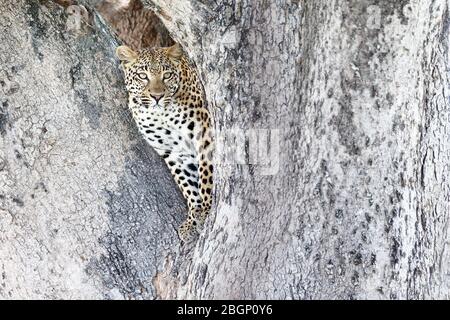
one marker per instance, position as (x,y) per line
(332,155)
(352,98)
(87,209)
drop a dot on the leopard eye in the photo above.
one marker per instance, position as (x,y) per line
(167,75)
(142,76)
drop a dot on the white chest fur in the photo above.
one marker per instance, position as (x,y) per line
(165,129)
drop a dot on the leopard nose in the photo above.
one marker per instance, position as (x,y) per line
(157,97)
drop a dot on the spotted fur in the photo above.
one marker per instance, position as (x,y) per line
(135,25)
(167,101)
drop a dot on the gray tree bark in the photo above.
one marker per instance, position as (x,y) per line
(359,91)
(87,209)
(351,202)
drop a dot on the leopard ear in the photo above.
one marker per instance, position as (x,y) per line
(175,52)
(126,54)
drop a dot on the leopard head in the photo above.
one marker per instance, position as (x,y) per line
(152,76)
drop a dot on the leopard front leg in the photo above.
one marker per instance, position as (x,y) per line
(184,169)
(205,148)
(206,185)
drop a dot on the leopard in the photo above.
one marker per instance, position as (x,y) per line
(167,102)
(136,26)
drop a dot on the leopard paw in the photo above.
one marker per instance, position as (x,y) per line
(188,230)
(199,216)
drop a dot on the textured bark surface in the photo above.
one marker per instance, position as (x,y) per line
(359,91)
(355,95)
(87,209)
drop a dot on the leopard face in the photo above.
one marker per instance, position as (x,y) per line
(158,77)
